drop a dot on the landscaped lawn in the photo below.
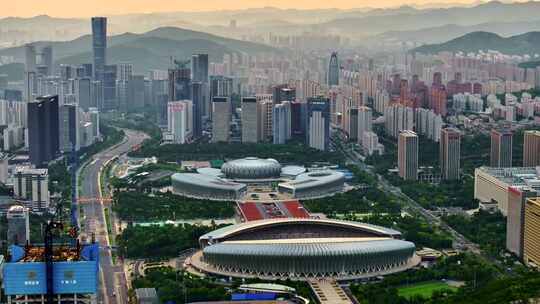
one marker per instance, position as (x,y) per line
(424,289)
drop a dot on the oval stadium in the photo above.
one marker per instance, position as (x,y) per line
(302,249)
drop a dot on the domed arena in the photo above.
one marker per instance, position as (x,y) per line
(251,168)
(302,249)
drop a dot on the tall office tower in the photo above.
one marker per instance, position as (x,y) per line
(199,67)
(96,89)
(197,96)
(531,245)
(501,148)
(43,130)
(333,70)
(30,85)
(177,117)
(30,58)
(83,92)
(250,120)
(179,83)
(437,79)
(408,155)
(365,118)
(221,119)
(70,139)
(136,95)
(353,124)
(517,197)
(18,232)
(450,153)
(281,124)
(109,88)
(31,187)
(220,86)
(298,118)
(283,93)
(124,71)
(264,108)
(99,46)
(47,59)
(531,149)
(318,123)
(86,70)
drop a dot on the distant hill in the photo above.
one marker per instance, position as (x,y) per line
(530,64)
(413,19)
(528,43)
(151,50)
(440,34)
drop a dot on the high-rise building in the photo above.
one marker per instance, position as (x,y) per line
(31,187)
(221,119)
(365,117)
(70,137)
(83,92)
(501,148)
(517,196)
(408,155)
(109,87)
(177,118)
(531,148)
(265,109)
(353,124)
(281,124)
(99,46)
(199,67)
(449,153)
(333,70)
(47,59)
(220,86)
(124,71)
(318,123)
(136,94)
(43,130)
(18,232)
(30,63)
(531,238)
(198,98)
(250,120)
(179,83)
(283,92)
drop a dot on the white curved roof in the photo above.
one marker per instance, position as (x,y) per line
(206,181)
(314,179)
(251,167)
(233,229)
(293,170)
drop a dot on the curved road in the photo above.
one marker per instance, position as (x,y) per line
(113,285)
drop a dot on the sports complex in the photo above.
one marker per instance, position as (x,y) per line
(303,248)
(258,179)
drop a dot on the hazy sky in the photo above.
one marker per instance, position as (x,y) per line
(85,8)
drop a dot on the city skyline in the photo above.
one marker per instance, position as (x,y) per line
(64,8)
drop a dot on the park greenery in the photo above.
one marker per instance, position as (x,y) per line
(285,154)
(484,228)
(180,287)
(472,270)
(159,241)
(133,206)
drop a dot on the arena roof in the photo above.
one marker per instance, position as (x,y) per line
(207,180)
(313,179)
(252,168)
(229,231)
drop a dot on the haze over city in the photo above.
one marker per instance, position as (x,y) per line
(276,152)
(80,8)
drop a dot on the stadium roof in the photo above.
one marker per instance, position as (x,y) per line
(207,180)
(238,228)
(314,179)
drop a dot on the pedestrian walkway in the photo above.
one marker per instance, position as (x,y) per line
(328,291)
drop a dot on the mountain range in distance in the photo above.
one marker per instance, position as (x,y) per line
(524,44)
(151,50)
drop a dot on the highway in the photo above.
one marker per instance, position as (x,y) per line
(113,283)
(414,207)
